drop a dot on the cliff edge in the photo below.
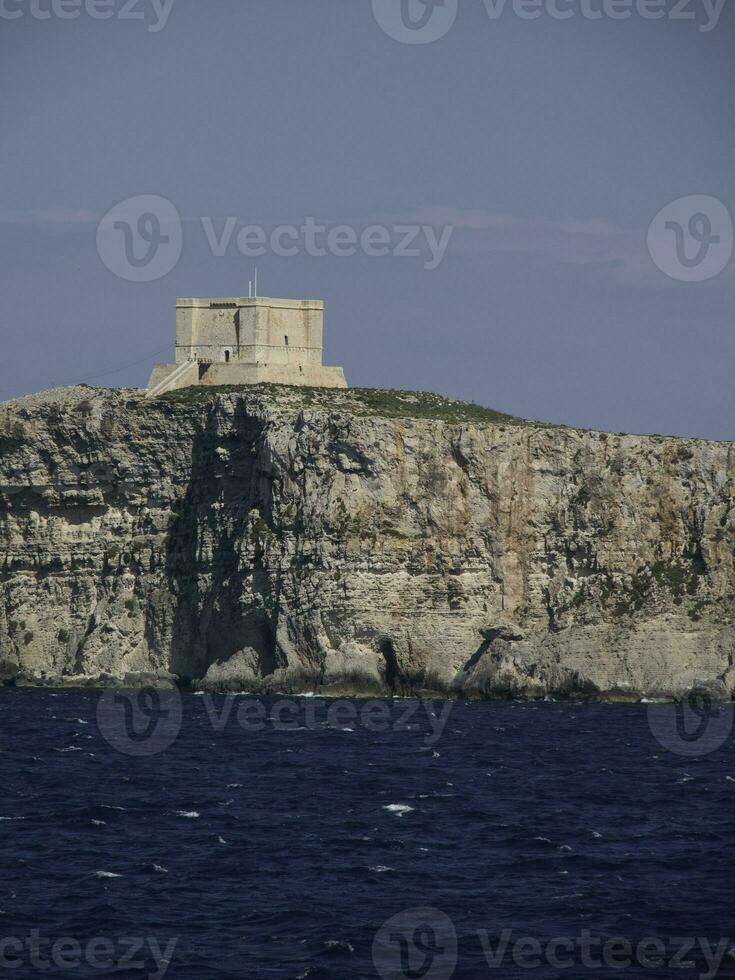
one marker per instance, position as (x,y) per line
(295,539)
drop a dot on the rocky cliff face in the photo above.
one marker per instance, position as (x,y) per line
(289,539)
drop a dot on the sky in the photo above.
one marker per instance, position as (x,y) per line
(524,204)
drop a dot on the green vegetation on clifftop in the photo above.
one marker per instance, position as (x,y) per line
(377,402)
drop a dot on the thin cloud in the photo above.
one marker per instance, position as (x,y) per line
(592,243)
(50,216)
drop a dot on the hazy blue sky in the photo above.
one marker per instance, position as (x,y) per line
(547,145)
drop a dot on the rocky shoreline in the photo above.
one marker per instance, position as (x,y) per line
(709,693)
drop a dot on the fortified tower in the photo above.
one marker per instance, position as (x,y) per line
(246,340)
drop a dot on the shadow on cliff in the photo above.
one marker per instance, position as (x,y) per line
(221,592)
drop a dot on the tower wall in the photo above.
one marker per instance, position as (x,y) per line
(251,330)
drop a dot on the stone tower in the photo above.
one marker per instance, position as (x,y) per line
(246,340)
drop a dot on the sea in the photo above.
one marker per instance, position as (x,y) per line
(197,837)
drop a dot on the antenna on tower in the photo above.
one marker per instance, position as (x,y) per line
(250,288)
(256,280)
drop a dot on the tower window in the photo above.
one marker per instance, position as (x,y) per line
(286,339)
(227,357)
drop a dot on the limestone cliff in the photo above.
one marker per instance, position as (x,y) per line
(293,539)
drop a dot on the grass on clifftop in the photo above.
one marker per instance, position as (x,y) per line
(378,402)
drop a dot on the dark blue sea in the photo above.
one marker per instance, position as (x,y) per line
(149,835)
